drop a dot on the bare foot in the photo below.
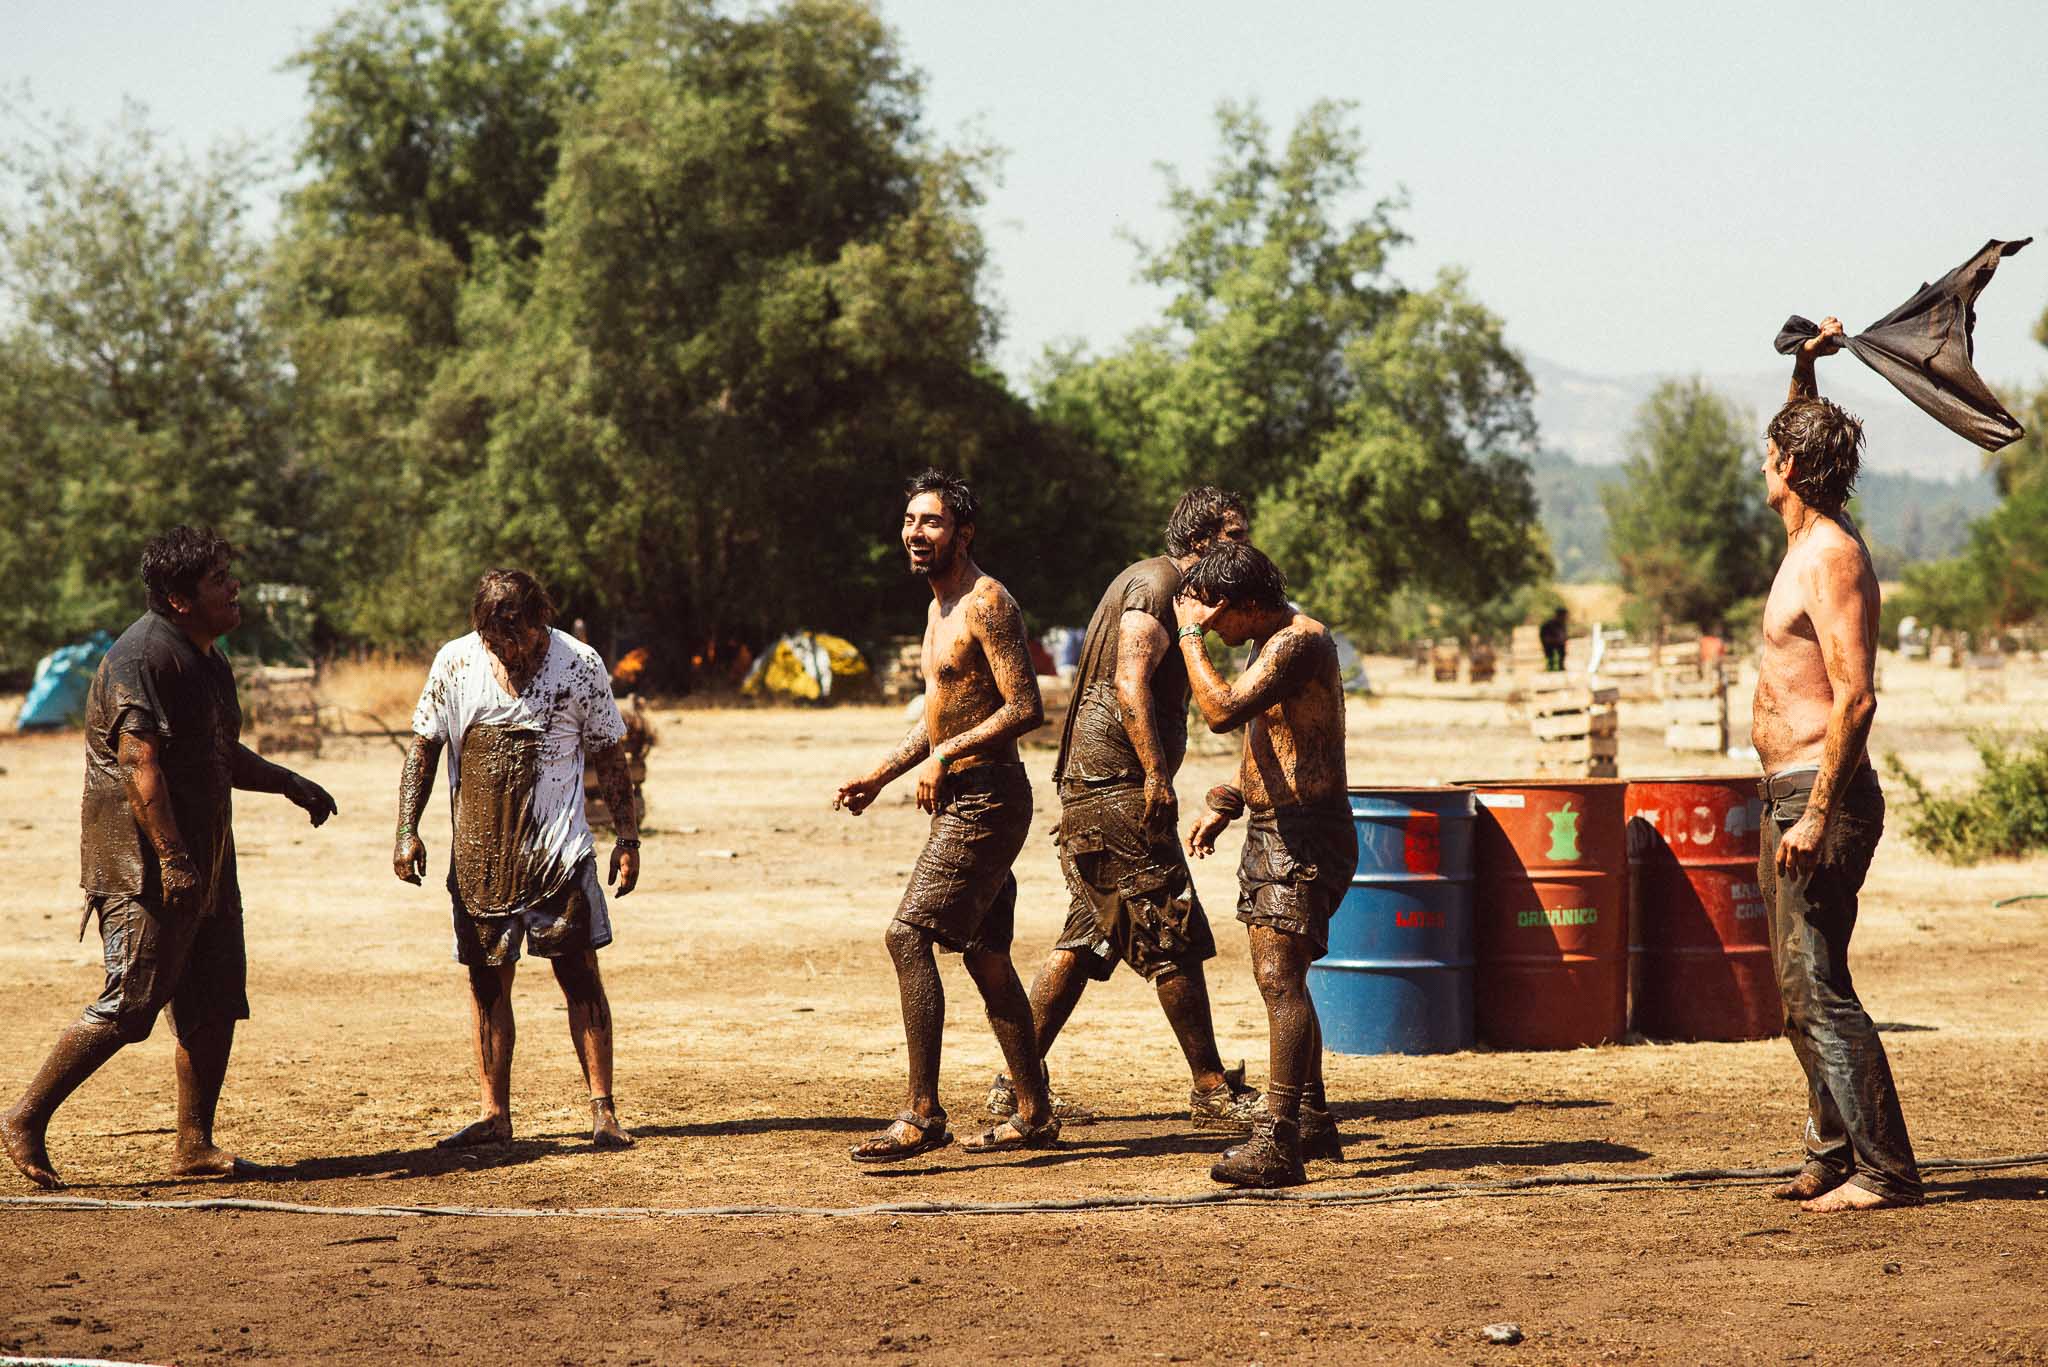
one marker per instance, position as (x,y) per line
(1849,1196)
(1807,1185)
(492,1129)
(26,1146)
(201,1159)
(605,1132)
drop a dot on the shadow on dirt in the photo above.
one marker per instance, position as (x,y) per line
(1464,1157)
(1941,1193)
(765,1124)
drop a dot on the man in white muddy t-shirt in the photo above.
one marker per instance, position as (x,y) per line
(518,706)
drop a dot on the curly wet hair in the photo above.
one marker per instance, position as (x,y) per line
(1239,573)
(1199,515)
(175,561)
(952,490)
(1825,444)
(511,599)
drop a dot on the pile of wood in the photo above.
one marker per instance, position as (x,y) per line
(901,676)
(1579,725)
(281,709)
(639,740)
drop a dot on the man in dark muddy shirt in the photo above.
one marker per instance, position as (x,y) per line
(981,695)
(519,706)
(163,753)
(1300,848)
(1133,900)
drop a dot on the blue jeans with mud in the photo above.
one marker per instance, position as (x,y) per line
(1854,1127)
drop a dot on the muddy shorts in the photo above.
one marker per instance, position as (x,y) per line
(573,919)
(1133,899)
(191,963)
(1296,867)
(962,892)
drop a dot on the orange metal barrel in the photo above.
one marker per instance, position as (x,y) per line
(1701,948)
(1550,911)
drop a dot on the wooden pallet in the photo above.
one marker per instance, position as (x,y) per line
(1578,725)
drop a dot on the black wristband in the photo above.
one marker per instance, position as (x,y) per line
(626,842)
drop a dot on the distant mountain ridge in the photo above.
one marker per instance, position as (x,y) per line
(1588,417)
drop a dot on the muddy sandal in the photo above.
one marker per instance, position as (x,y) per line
(992,1140)
(931,1134)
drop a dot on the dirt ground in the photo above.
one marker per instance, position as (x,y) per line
(758,1036)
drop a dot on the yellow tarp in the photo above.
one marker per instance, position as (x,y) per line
(806,664)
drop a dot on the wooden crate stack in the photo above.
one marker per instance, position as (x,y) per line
(1479,663)
(1630,668)
(1443,661)
(282,709)
(902,672)
(1525,653)
(1696,713)
(1579,725)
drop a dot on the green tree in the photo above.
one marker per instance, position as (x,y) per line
(686,387)
(1687,523)
(1384,431)
(140,382)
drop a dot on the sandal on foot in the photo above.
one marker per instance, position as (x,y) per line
(931,1134)
(1022,1136)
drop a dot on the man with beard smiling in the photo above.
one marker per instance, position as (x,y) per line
(519,705)
(163,756)
(981,695)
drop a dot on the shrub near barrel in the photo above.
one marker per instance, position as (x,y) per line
(1550,913)
(1701,951)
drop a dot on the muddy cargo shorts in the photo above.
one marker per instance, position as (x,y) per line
(195,964)
(962,892)
(1133,901)
(1296,867)
(569,921)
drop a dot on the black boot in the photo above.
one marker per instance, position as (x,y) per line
(1319,1138)
(1270,1158)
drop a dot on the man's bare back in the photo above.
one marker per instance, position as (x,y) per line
(1294,747)
(1825,570)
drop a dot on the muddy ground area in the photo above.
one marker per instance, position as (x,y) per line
(759,1035)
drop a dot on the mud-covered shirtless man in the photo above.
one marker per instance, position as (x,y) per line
(163,754)
(519,706)
(981,695)
(1815,698)
(1300,848)
(1131,897)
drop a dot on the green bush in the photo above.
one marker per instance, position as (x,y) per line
(2005,815)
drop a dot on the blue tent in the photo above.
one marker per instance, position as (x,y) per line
(57,697)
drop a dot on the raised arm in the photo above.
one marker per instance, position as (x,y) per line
(415,785)
(1283,664)
(1840,614)
(149,798)
(1825,343)
(252,773)
(1141,643)
(998,624)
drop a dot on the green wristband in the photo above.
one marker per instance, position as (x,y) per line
(1190,630)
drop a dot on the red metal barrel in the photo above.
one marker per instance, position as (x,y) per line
(1701,951)
(1550,908)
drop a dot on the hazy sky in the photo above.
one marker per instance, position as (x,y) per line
(1633,187)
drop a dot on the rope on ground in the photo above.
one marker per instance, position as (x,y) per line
(1686,1179)
(2023,897)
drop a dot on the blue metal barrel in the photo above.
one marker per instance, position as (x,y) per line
(1398,975)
